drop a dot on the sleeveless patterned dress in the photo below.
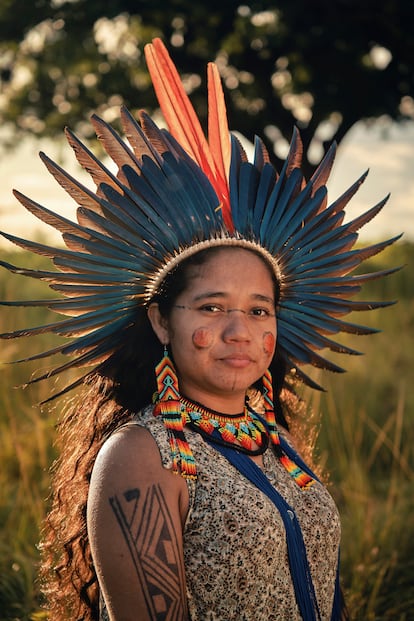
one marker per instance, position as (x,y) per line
(235,552)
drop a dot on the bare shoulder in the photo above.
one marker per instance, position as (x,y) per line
(130,460)
(129,453)
(289,438)
(287,435)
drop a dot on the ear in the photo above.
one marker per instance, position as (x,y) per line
(159,323)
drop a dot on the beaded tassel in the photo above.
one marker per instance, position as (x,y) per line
(269,407)
(169,407)
(302,478)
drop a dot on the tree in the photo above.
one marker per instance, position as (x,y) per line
(319,64)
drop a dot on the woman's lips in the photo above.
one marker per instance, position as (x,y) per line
(239,361)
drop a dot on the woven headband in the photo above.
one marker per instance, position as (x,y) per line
(176,193)
(214,242)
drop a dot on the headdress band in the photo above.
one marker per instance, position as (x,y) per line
(223,241)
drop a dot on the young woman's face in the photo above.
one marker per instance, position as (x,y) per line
(222,329)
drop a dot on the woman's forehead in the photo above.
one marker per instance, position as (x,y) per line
(229,270)
(225,255)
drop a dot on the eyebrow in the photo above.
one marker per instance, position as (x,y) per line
(259,297)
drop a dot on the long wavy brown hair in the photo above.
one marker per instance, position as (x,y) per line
(121,387)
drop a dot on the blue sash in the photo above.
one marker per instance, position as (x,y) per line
(298,562)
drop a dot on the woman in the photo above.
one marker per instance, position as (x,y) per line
(223,553)
(178,494)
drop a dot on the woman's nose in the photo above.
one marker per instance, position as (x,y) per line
(237,326)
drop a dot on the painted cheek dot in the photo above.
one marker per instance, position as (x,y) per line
(269,342)
(202,338)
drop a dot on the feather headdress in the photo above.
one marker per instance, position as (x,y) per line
(175,193)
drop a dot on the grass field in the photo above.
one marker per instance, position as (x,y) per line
(366,439)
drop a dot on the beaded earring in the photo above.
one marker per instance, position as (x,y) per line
(167,380)
(302,478)
(173,413)
(269,406)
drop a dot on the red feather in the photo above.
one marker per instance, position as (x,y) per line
(213,157)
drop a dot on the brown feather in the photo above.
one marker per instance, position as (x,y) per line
(136,137)
(88,161)
(80,193)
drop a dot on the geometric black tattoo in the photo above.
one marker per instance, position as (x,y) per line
(154,550)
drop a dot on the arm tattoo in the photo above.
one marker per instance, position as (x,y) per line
(153,546)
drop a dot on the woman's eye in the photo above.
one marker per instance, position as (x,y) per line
(214,309)
(211,308)
(261,312)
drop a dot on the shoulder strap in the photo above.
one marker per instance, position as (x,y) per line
(298,562)
(299,566)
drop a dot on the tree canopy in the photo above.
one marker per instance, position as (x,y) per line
(319,64)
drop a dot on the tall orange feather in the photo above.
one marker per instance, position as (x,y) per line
(213,156)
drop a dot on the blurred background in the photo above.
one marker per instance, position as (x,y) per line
(340,71)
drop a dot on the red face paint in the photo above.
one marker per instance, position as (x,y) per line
(269,342)
(202,338)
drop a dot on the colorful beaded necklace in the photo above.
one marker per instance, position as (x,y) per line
(238,432)
(241,431)
(246,431)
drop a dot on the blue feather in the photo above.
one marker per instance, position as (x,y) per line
(248,183)
(299,350)
(155,230)
(293,220)
(266,183)
(318,317)
(284,191)
(118,232)
(155,195)
(326,219)
(324,248)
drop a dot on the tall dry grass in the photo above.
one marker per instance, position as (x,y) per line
(366,443)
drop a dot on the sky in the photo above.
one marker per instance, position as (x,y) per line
(387,149)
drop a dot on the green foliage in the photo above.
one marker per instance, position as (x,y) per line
(365,442)
(283,63)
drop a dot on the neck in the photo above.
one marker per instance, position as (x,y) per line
(197,406)
(218,404)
